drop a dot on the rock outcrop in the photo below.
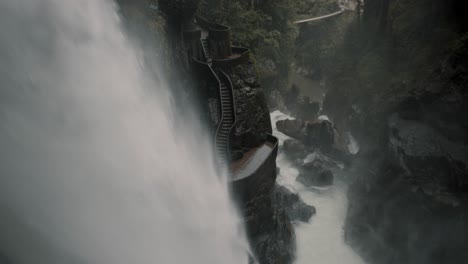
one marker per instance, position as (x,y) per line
(269,228)
(405,101)
(294,149)
(252,113)
(314,174)
(319,133)
(296,209)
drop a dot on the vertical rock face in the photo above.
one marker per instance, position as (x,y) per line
(408,202)
(271,234)
(268,225)
(252,113)
(319,133)
(269,229)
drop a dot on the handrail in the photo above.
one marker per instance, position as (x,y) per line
(243,56)
(202,22)
(220,123)
(204,51)
(274,152)
(231,90)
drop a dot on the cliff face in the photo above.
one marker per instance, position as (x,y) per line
(219,69)
(401,91)
(268,225)
(252,114)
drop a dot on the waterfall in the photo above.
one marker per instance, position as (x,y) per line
(92,168)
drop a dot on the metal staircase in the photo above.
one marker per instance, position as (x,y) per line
(227,119)
(228,115)
(206,50)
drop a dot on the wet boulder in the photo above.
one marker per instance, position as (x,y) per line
(292,128)
(319,133)
(314,174)
(294,149)
(295,208)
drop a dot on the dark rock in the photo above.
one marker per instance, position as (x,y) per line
(422,172)
(422,151)
(314,174)
(319,133)
(408,197)
(294,149)
(252,113)
(293,128)
(296,209)
(272,236)
(268,227)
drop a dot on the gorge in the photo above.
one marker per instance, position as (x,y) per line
(233,131)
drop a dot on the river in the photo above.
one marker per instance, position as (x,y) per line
(321,240)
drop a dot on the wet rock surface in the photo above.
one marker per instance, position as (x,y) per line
(319,133)
(294,149)
(404,98)
(272,236)
(296,209)
(252,113)
(315,174)
(269,228)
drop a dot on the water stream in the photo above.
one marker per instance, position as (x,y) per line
(321,240)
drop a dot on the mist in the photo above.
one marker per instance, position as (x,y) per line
(92,167)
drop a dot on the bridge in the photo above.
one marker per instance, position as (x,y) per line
(343,6)
(320,17)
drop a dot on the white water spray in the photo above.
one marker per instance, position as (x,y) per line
(91,169)
(321,240)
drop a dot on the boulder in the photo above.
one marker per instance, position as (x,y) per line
(296,209)
(270,231)
(314,174)
(291,127)
(319,133)
(294,149)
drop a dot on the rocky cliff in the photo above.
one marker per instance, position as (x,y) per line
(401,91)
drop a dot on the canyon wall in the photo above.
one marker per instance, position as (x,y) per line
(400,89)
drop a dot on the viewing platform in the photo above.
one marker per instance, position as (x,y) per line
(251,161)
(213,57)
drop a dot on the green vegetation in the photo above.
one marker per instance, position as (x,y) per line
(266,28)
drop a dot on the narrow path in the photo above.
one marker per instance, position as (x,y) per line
(251,161)
(227,120)
(227,107)
(320,17)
